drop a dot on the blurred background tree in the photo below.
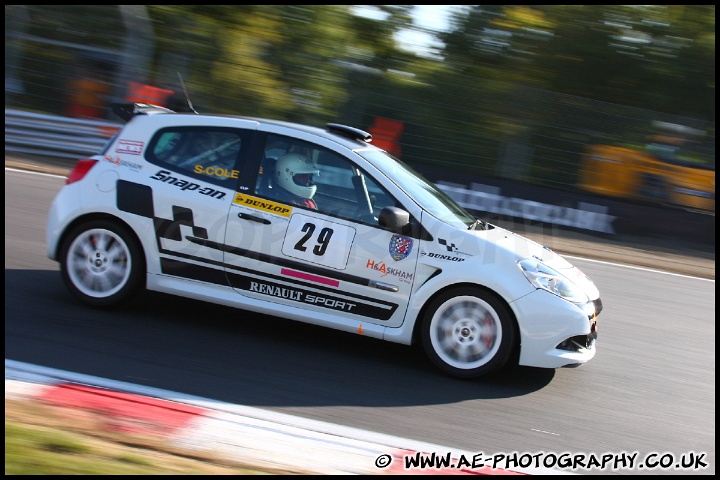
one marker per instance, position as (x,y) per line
(512,91)
(293,59)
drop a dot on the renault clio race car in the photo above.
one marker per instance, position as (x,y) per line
(315,225)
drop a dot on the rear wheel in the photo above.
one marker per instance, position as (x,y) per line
(468,333)
(101,263)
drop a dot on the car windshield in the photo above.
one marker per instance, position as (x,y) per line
(423,192)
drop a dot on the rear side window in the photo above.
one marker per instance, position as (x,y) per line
(210,154)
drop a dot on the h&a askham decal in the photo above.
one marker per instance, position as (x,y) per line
(122,163)
(382,267)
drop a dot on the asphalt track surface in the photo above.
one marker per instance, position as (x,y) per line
(651,389)
(667,254)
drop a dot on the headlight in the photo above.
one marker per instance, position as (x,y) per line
(542,276)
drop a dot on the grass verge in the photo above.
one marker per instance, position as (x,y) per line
(43,439)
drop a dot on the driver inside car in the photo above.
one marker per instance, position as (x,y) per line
(294,180)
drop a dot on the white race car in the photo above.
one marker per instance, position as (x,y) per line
(315,225)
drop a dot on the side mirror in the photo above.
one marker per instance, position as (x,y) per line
(394,219)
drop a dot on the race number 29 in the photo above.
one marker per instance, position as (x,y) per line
(318,241)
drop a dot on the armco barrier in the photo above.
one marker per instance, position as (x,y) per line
(53,136)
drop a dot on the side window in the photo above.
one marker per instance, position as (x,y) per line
(309,176)
(210,154)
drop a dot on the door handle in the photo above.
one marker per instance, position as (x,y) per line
(253,218)
(383,286)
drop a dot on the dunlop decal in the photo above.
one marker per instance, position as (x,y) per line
(262,205)
(440,256)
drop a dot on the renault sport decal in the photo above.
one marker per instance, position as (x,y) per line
(294,292)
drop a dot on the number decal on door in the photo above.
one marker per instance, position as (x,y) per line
(318,241)
(309,228)
(322,239)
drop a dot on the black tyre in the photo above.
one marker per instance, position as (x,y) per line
(102,264)
(468,333)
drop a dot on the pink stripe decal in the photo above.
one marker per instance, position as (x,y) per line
(308,276)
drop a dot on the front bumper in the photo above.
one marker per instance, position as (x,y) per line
(555,333)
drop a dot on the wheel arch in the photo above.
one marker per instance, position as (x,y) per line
(417,327)
(96,216)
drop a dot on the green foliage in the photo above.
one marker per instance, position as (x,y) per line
(321,63)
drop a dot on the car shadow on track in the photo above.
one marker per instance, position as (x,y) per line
(231,355)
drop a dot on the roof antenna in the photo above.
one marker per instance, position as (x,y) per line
(187,97)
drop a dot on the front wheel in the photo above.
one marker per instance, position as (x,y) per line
(468,333)
(101,263)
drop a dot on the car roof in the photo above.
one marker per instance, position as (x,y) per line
(346,136)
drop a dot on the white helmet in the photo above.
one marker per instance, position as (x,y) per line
(292,164)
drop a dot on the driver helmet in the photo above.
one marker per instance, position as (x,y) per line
(294,173)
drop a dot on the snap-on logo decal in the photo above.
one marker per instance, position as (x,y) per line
(262,204)
(166,177)
(400,247)
(130,147)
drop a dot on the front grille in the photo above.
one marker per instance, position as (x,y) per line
(578,342)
